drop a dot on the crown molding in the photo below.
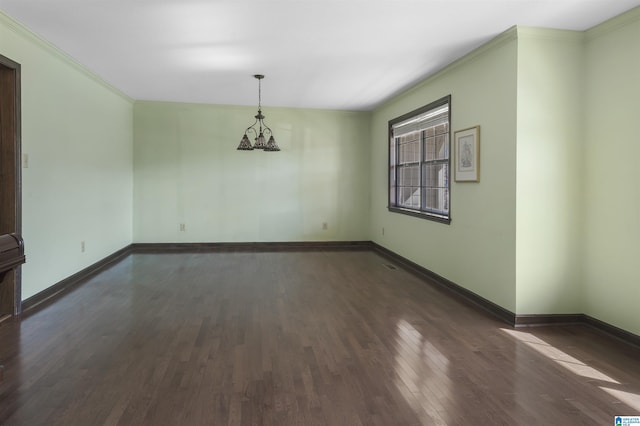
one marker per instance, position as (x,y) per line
(507,36)
(550,34)
(24,32)
(613,24)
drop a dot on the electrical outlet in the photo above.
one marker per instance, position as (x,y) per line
(25,161)
(183,227)
(325,226)
(82,246)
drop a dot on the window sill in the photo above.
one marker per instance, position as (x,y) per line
(422,215)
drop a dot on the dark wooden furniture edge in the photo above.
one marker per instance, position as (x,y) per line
(49,295)
(56,290)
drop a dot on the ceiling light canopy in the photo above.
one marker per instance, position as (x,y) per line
(245,143)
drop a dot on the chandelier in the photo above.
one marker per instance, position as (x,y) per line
(270,145)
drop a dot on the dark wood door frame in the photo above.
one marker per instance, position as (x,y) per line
(10,177)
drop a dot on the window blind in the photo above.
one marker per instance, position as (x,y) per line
(421,122)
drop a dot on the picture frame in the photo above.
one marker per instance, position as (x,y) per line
(467,154)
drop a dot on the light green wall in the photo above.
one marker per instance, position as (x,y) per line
(549,171)
(477,250)
(552,226)
(612,149)
(188,171)
(77,133)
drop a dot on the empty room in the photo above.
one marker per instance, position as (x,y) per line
(319,212)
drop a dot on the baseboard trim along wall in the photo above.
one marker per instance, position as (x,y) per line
(612,330)
(569,319)
(251,246)
(456,290)
(51,294)
(548,319)
(515,320)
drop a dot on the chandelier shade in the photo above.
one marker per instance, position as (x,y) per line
(260,131)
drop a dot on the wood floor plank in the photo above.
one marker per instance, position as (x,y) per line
(297,338)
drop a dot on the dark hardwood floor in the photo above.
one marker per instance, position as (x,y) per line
(297,338)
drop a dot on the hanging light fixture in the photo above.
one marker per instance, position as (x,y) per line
(260,143)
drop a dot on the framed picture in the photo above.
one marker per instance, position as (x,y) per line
(467,154)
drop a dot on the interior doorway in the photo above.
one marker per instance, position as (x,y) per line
(10,178)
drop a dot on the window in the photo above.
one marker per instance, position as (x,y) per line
(419,167)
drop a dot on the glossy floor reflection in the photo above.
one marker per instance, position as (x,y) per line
(297,338)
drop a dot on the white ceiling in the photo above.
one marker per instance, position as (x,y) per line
(336,54)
